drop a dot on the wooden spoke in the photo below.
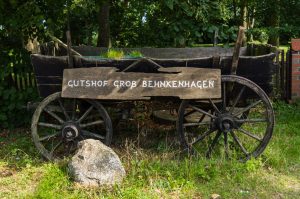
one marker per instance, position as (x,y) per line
(202,111)
(201,137)
(250,134)
(54,115)
(237,99)
(93,135)
(189,113)
(247,108)
(251,120)
(63,109)
(91,123)
(85,114)
(223,96)
(226,144)
(236,139)
(74,109)
(201,118)
(196,123)
(55,147)
(70,148)
(47,137)
(212,145)
(54,126)
(214,106)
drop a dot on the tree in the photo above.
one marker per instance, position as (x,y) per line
(104,26)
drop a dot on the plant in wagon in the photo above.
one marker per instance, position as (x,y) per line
(114,54)
(135,54)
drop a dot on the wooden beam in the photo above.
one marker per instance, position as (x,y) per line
(64,45)
(236,50)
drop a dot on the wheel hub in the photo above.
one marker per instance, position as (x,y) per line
(70,132)
(225,122)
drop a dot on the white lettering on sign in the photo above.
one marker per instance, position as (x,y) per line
(124,83)
(87,83)
(204,84)
(179,84)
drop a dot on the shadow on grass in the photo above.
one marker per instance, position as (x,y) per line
(18,150)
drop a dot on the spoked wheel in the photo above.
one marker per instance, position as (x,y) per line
(239,125)
(58,124)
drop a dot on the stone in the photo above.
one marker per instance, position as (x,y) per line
(95,164)
(215,196)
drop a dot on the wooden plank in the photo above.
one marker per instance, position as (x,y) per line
(69,44)
(236,50)
(108,83)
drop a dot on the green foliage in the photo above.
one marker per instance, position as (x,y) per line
(54,183)
(170,23)
(119,54)
(114,54)
(259,34)
(135,54)
(13,101)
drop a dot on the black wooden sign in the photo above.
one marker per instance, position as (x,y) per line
(108,83)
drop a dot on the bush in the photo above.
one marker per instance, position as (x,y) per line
(285,33)
(259,34)
(13,100)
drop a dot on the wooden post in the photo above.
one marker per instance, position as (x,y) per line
(236,50)
(69,44)
(282,76)
(216,34)
(288,76)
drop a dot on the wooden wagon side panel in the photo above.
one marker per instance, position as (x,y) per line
(48,72)
(259,69)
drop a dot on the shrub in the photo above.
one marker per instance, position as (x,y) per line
(13,100)
(259,34)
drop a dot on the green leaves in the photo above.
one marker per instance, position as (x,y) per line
(12,100)
(170,4)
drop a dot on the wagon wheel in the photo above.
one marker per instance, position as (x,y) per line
(239,125)
(59,123)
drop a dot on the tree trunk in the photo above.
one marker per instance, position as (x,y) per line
(243,18)
(273,22)
(104,29)
(234,9)
(243,13)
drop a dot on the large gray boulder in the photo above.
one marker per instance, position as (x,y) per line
(95,164)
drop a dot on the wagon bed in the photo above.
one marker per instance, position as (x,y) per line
(242,119)
(259,69)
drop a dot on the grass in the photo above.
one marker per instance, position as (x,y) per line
(154,171)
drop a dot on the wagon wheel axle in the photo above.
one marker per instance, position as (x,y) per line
(70,131)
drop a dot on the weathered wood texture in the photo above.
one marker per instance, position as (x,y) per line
(236,50)
(48,72)
(108,83)
(259,69)
(164,53)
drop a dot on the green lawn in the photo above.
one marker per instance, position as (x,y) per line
(154,172)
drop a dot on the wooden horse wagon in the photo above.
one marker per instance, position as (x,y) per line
(222,106)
